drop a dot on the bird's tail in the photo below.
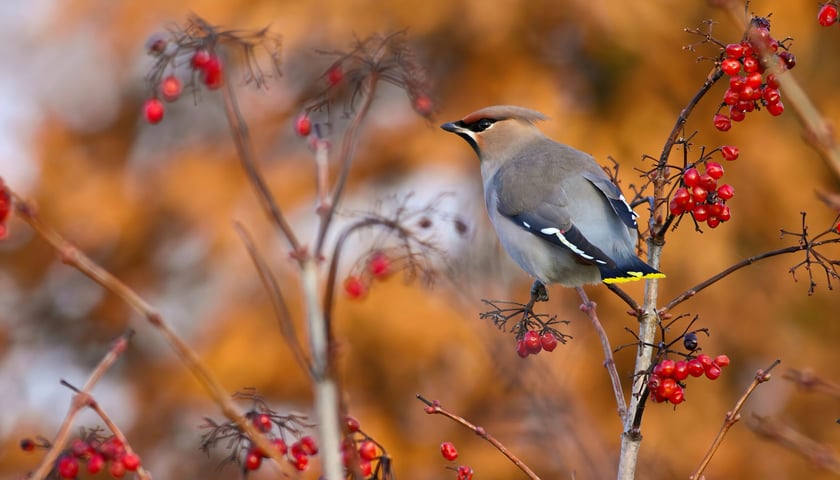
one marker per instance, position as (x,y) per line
(628,270)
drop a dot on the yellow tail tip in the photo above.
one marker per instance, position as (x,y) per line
(633,276)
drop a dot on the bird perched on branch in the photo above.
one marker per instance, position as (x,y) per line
(555,210)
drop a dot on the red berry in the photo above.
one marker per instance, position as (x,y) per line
(699,194)
(713,222)
(79,448)
(253,459)
(300,462)
(170,88)
(722,361)
(771,95)
(27,444)
(379,265)
(726,191)
(750,64)
(665,368)
(352,424)
(707,182)
(532,342)
(116,469)
(654,382)
(67,466)
(354,287)
(676,208)
(736,114)
(548,341)
(682,196)
(691,177)
(827,15)
(749,51)
(521,350)
(95,463)
(200,59)
(465,473)
(367,450)
(365,467)
(724,215)
(335,74)
(714,170)
(213,77)
(730,152)
(776,109)
(705,360)
(112,449)
(308,445)
(754,80)
(713,372)
(695,368)
(131,461)
(722,122)
(280,445)
(423,105)
(447,449)
(262,422)
(701,212)
(667,387)
(730,66)
(680,370)
(730,97)
(789,59)
(677,396)
(303,125)
(153,110)
(772,81)
(734,50)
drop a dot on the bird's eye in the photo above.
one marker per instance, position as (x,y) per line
(481,125)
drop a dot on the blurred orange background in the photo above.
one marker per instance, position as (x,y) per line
(155,205)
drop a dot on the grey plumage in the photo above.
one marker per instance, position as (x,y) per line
(556,212)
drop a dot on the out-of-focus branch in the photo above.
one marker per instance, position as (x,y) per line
(809,381)
(80,400)
(732,417)
(819,454)
(434,408)
(73,257)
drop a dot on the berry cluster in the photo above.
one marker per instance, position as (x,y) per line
(205,64)
(372,458)
(5,208)
(665,381)
(532,343)
(450,453)
(749,88)
(827,15)
(96,452)
(700,194)
(298,453)
(377,266)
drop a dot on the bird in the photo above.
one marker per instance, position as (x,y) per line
(555,211)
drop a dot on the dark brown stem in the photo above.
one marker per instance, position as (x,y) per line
(630,301)
(732,418)
(588,307)
(434,408)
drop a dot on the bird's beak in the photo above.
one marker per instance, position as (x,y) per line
(465,133)
(450,127)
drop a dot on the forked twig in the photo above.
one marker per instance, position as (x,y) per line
(732,417)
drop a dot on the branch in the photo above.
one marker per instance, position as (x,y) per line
(80,400)
(820,455)
(732,417)
(809,381)
(433,407)
(588,307)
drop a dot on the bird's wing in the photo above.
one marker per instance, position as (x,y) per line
(616,198)
(530,195)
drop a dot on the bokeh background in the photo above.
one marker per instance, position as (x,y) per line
(155,205)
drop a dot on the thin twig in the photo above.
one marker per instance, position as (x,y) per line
(433,407)
(115,429)
(732,418)
(80,400)
(73,257)
(589,307)
(808,380)
(819,454)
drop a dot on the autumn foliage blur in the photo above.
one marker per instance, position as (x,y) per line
(154,204)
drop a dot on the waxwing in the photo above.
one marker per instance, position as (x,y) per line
(554,209)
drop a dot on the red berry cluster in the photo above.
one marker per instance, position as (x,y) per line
(203,63)
(369,452)
(532,343)
(298,453)
(5,208)
(827,15)
(450,453)
(665,382)
(700,194)
(749,88)
(377,266)
(96,455)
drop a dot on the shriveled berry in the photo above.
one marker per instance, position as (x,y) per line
(153,110)
(548,341)
(722,122)
(67,466)
(447,449)
(827,15)
(722,360)
(730,152)
(367,450)
(27,444)
(354,287)
(532,342)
